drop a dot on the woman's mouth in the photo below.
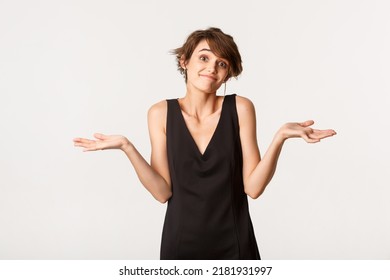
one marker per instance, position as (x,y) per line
(209,77)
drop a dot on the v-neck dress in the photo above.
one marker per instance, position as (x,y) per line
(207,215)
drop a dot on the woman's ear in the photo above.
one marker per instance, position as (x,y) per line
(183,62)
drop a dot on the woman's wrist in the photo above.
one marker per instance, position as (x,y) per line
(126,146)
(281,134)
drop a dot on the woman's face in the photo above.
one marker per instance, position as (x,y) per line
(205,71)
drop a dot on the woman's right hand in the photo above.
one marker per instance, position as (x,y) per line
(102,142)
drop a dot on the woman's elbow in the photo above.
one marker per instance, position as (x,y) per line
(163,198)
(254,194)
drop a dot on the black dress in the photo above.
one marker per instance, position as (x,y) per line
(207,216)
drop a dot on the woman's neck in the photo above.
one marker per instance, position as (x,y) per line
(200,104)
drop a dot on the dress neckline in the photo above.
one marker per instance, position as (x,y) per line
(212,136)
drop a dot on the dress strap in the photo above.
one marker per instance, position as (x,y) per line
(232,108)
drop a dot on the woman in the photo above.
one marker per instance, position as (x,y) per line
(205,159)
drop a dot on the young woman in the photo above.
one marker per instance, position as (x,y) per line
(205,159)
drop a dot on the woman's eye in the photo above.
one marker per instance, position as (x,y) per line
(203,58)
(222,64)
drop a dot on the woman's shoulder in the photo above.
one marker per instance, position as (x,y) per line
(244,105)
(157,115)
(158,109)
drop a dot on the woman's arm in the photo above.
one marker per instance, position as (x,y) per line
(155,176)
(257,172)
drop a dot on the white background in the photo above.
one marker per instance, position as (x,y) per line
(72,68)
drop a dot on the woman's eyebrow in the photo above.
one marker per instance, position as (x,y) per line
(212,53)
(206,50)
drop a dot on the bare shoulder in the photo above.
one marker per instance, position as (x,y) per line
(245,108)
(158,109)
(157,114)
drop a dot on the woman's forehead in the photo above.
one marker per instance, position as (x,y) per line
(202,45)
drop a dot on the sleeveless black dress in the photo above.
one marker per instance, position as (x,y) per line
(207,216)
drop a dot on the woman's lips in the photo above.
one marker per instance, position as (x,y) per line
(209,77)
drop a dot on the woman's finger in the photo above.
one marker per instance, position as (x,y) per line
(319,134)
(96,146)
(100,136)
(307,123)
(90,149)
(309,139)
(83,140)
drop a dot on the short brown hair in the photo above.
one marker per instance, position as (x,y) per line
(220,43)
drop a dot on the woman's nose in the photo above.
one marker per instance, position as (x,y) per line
(211,67)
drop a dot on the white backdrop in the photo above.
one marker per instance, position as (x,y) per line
(72,68)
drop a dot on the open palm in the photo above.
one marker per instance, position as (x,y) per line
(102,142)
(303,130)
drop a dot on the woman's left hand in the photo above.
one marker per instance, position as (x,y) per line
(303,130)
